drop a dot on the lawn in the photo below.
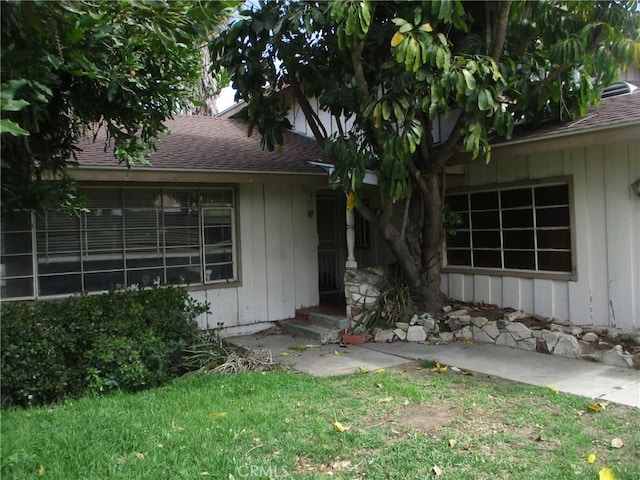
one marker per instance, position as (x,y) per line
(413,424)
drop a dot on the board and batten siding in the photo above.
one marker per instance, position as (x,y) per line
(277,252)
(606,290)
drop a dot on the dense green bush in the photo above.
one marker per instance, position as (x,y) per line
(130,340)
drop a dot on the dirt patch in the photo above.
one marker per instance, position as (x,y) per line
(427,418)
(337,465)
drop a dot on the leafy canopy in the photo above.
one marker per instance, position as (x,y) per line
(126,66)
(387,70)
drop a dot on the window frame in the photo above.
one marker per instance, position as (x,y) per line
(83,253)
(514,272)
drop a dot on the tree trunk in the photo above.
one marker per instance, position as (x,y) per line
(418,255)
(432,242)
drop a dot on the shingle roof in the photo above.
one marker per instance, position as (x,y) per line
(221,144)
(216,144)
(612,111)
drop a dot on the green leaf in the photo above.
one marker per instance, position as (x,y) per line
(485,100)
(386,110)
(398,22)
(469,80)
(11,105)
(8,126)
(440,58)
(365,16)
(397,110)
(377,115)
(168,41)
(412,51)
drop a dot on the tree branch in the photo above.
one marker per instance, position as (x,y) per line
(405,216)
(500,31)
(358,70)
(317,128)
(449,147)
(339,125)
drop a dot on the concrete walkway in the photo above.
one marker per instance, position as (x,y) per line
(579,377)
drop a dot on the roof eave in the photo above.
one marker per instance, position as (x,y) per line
(566,133)
(122,174)
(602,135)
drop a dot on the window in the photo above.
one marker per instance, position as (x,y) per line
(513,228)
(362,230)
(141,236)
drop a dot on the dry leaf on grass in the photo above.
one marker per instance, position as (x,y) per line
(217,414)
(535,437)
(597,406)
(299,348)
(617,443)
(436,470)
(606,474)
(439,368)
(453,442)
(385,400)
(338,427)
(176,427)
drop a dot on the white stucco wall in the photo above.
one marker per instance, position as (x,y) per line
(278,260)
(607,229)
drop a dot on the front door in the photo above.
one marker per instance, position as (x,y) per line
(327,216)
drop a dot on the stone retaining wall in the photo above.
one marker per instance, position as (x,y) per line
(362,289)
(594,344)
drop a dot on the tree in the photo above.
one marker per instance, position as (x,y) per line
(393,67)
(69,65)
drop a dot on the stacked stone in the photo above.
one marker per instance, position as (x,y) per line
(362,289)
(557,339)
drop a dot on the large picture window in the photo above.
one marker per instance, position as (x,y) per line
(129,236)
(526,228)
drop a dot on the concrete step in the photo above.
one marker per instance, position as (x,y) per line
(311,331)
(329,321)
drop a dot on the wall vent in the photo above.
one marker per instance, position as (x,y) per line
(618,88)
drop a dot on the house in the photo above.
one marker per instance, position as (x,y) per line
(551,225)
(213,211)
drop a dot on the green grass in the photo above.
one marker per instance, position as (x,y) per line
(280,425)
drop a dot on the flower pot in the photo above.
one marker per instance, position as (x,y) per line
(353,338)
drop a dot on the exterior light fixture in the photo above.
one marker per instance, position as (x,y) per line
(635,187)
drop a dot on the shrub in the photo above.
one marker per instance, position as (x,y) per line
(130,340)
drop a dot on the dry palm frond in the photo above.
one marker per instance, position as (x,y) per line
(248,361)
(212,354)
